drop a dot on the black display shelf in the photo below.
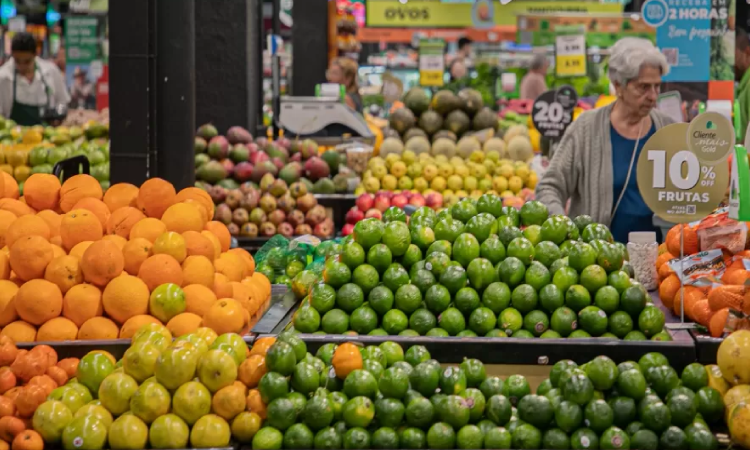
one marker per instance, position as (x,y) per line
(706,347)
(278,315)
(339,205)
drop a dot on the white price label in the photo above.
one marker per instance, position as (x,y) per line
(570,45)
(431,62)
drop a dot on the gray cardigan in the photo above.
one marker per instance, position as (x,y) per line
(581,167)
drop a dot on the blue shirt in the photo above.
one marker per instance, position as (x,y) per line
(633,214)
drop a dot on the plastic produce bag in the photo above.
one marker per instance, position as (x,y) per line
(718,231)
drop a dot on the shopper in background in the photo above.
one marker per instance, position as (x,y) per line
(344,71)
(595,163)
(742,74)
(458,70)
(28,84)
(534,83)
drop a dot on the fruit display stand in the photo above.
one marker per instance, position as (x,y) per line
(705,347)
(337,205)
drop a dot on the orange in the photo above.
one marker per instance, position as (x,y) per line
(20,331)
(38,301)
(198,244)
(184,323)
(182,217)
(135,323)
(79,225)
(120,195)
(231,266)
(102,262)
(134,253)
(689,240)
(172,244)
(228,401)
(199,196)
(65,272)
(80,249)
(252,370)
(53,220)
(5,266)
(57,251)
(159,269)
(122,220)
(221,232)
(221,287)
(77,187)
(26,226)
(10,186)
(57,329)
(42,191)
(201,210)
(255,404)
(81,303)
(8,290)
(125,297)
(17,207)
(225,316)
(148,228)
(246,257)
(198,299)
(214,242)
(6,218)
(198,270)
(155,196)
(119,241)
(261,345)
(260,280)
(29,257)
(242,294)
(95,206)
(346,358)
(98,328)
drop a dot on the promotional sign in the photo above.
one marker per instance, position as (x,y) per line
(570,55)
(682,169)
(552,111)
(435,13)
(431,62)
(81,39)
(83,53)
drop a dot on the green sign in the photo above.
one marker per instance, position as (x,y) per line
(81,39)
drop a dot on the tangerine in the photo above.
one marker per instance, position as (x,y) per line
(81,303)
(78,187)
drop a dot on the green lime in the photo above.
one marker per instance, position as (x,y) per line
(425,378)
(307,320)
(536,410)
(436,263)
(547,253)
(421,235)
(412,255)
(337,400)
(366,277)
(620,324)
(408,298)
(448,229)
(452,381)
(335,321)
(492,249)
(568,416)
(359,411)
(395,276)
(496,333)
(380,257)
(555,438)
(413,438)
(381,299)
(694,376)
(466,300)
(322,297)
(482,320)
(593,320)
(581,255)
(368,232)
(632,301)
(683,409)
(558,264)
(498,409)
(564,321)
(619,279)
(551,298)
(464,210)
(651,320)
(482,226)
(550,334)
(526,436)
(631,383)
(515,388)
(305,378)
(555,396)
(506,232)
(594,278)
(602,372)
(467,333)
(363,319)
(318,412)
(357,438)
(441,436)
(389,411)
(384,438)
(416,354)
(577,298)
(395,321)
(298,436)
(470,436)
(394,383)
(700,438)
(710,404)
(497,437)
(441,246)
(544,387)
(607,298)
(510,320)
(377,332)
(408,332)
(662,379)
(281,413)
(635,336)
(645,440)
(396,237)
(599,415)
(624,410)
(481,273)
(579,334)
(327,438)
(524,298)
(281,358)
(437,298)
(423,279)
(522,249)
(419,413)
(491,386)
(558,369)
(422,321)
(452,321)
(511,271)
(577,388)
(454,278)
(614,438)
(353,255)
(437,332)
(533,213)
(584,438)
(536,322)
(268,438)
(564,278)
(465,249)
(662,336)
(656,417)
(453,410)
(496,297)
(360,383)
(537,276)
(336,273)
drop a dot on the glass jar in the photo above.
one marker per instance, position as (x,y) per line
(643,250)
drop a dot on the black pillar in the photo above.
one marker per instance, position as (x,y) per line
(309,45)
(228,63)
(175,91)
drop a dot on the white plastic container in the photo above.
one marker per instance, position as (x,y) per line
(643,250)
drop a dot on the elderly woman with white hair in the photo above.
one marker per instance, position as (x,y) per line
(594,165)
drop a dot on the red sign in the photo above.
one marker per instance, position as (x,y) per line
(102,89)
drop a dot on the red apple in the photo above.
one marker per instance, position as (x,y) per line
(382,202)
(347,230)
(365,202)
(374,213)
(399,201)
(417,200)
(354,215)
(434,200)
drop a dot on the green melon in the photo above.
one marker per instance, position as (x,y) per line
(472,101)
(444,102)
(444,146)
(414,132)
(457,122)
(431,122)
(467,145)
(418,144)
(402,119)
(391,145)
(416,100)
(485,118)
(445,134)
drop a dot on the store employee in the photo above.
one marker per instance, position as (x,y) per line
(29,84)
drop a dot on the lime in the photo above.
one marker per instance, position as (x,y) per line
(700,438)
(510,320)
(498,409)
(623,411)
(423,279)
(448,229)
(350,297)
(607,298)
(683,409)
(497,437)
(318,412)
(522,249)
(584,438)
(437,332)
(515,388)
(452,381)
(694,376)
(441,246)
(422,236)
(380,257)
(635,336)
(408,332)
(577,298)
(337,400)
(656,417)
(389,411)
(491,386)
(523,334)
(593,278)
(394,383)
(408,298)
(577,388)
(467,333)
(353,255)
(536,322)
(419,413)
(281,358)
(453,410)
(481,226)
(524,298)
(281,413)
(441,436)
(492,249)
(568,416)
(613,437)
(464,210)
(396,237)
(579,334)
(366,277)
(307,320)
(645,440)
(710,404)
(268,438)
(466,300)
(547,253)
(496,297)
(581,255)
(411,256)
(593,320)
(496,333)
(454,278)
(470,436)
(422,321)
(533,213)
(452,321)
(327,438)
(298,436)
(395,276)
(384,438)
(305,378)
(602,372)
(424,213)
(550,334)
(564,321)
(368,232)
(395,321)
(507,233)
(481,273)
(551,298)
(620,324)
(336,273)
(662,336)
(465,249)
(437,298)
(357,438)
(482,320)
(537,276)
(564,278)
(381,299)
(599,415)
(557,265)
(360,383)
(619,279)
(363,320)
(511,271)
(651,320)
(631,383)
(526,436)
(425,378)
(544,387)
(436,263)
(555,229)
(412,438)
(632,301)
(359,411)
(322,297)
(662,379)
(555,438)
(490,204)
(536,410)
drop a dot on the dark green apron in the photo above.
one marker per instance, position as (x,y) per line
(27,115)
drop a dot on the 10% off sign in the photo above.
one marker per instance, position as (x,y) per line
(682,170)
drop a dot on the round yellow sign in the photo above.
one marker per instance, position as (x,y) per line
(710,137)
(674,183)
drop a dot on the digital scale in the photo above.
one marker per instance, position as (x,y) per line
(326,120)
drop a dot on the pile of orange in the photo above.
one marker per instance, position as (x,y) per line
(78,263)
(706,305)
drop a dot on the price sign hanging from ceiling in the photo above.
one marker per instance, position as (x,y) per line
(570,55)
(552,111)
(682,170)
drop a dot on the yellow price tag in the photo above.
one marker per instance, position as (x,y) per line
(570,65)
(431,78)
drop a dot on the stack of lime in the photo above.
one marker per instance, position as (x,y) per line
(479,269)
(383,397)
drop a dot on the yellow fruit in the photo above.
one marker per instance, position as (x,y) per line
(405,183)
(390,159)
(461,171)
(409,157)
(733,358)
(500,184)
(172,244)
(532,181)
(523,172)
(739,424)
(515,184)
(470,183)
(429,172)
(506,170)
(398,169)
(438,184)
(479,171)
(455,182)
(389,182)
(420,184)
(371,185)
(379,172)
(736,395)
(445,170)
